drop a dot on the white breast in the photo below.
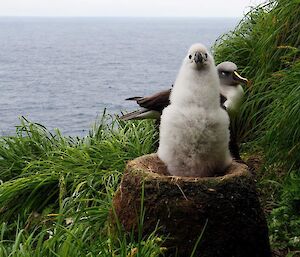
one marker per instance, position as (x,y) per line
(234,95)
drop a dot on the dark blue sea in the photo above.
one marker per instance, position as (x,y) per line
(63,72)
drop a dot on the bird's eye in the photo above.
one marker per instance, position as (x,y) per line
(206,55)
(190,56)
(224,73)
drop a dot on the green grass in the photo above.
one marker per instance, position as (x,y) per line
(56,192)
(266,48)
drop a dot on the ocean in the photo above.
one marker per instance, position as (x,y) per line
(63,72)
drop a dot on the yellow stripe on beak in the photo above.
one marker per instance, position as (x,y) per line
(240,78)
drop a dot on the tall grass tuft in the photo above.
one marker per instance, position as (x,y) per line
(266,47)
(56,192)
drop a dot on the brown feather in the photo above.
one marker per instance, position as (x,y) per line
(156,102)
(160,100)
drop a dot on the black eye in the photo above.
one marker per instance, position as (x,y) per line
(206,55)
(190,56)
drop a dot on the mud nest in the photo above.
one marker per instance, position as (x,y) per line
(225,208)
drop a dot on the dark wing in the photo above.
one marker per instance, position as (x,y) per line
(156,102)
(160,100)
(133,115)
(222,101)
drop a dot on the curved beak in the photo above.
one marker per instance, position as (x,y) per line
(199,57)
(239,78)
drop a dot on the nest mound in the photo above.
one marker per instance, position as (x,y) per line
(225,208)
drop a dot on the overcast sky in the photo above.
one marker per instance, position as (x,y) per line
(193,8)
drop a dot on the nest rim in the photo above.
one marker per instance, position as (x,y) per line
(151,167)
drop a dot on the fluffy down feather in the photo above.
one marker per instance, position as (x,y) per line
(194,132)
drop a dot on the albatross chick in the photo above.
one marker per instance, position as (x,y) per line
(194,132)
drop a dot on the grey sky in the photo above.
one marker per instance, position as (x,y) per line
(196,8)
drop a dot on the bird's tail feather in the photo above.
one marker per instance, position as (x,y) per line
(135,98)
(140,115)
(132,115)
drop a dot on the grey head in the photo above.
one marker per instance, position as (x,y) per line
(228,74)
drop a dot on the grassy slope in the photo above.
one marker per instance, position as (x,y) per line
(266,47)
(55,192)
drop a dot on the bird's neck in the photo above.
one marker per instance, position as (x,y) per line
(196,88)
